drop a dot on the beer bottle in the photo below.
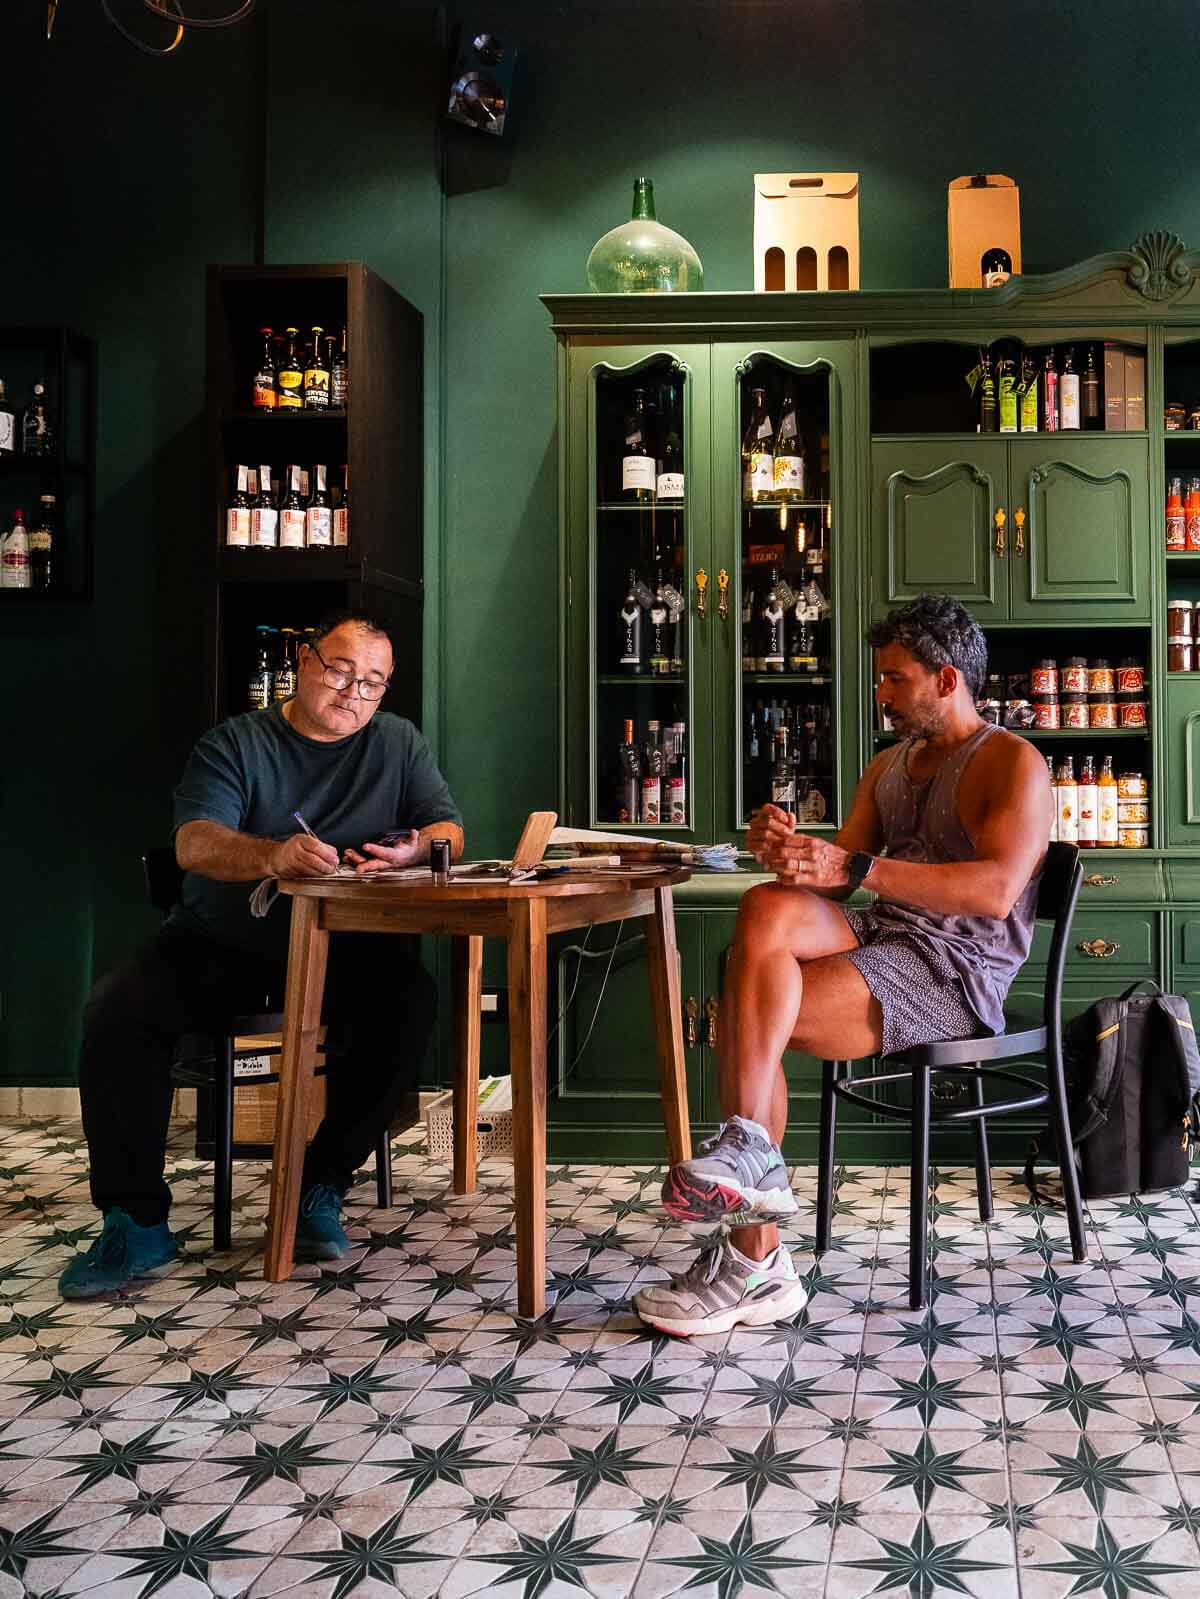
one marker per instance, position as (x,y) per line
(316,375)
(264,395)
(289,377)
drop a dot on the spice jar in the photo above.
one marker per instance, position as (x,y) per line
(1174,417)
(1181,616)
(1101,677)
(1073,679)
(1102,710)
(1135,811)
(1043,678)
(1194,418)
(1074,710)
(1131,712)
(1179,654)
(1135,837)
(1132,785)
(1046,711)
(1131,676)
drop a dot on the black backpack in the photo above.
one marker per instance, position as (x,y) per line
(1133,1077)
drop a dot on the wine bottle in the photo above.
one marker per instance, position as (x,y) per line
(783,778)
(341,513)
(758,468)
(318,514)
(1068,395)
(652,770)
(339,377)
(289,377)
(1006,403)
(264,518)
(1091,392)
(14,555)
(316,375)
(772,624)
(670,481)
(1049,393)
(291,512)
(788,474)
(8,425)
(237,512)
(989,417)
(677,777)
(41,545)
(630,636)
(637,464)
(630,792)
(660,643)
(37,430)
(263,393)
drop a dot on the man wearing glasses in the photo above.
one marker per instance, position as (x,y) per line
(358,776)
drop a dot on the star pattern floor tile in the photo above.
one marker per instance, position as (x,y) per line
(388,1424)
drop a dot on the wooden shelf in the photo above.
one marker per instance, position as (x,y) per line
(1053,733)
(627,680)
(766,679)
(936,437)
(674,506)
(284,418)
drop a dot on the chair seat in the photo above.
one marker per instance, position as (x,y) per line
(1022,1035)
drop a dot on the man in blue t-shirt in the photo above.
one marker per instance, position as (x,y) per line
(355,774)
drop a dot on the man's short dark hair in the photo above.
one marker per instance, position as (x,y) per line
(937,631)
(363,619)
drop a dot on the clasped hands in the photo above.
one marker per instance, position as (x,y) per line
(796,859)
(302,856)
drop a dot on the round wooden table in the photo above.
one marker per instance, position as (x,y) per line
(523,914)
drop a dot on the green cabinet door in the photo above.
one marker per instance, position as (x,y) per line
(1183,761)
(933,524)
(605,1102)
(1086,535)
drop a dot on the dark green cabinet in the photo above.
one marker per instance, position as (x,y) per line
(1183,761)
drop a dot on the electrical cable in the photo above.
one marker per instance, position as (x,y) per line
(581,952)
(227,21)
(140,44)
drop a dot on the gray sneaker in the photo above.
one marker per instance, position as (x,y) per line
(721,1289)
(739,1169)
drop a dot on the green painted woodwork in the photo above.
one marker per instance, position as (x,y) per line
(1123,877)
(1183,761)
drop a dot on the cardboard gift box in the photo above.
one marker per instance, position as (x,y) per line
(805,230)
(983,213)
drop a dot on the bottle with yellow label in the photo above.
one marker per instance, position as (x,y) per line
(289,377)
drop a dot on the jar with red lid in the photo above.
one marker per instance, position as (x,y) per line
(1131,712)
(1131,676)
(1074,712)
(1174,416)
(1102,710)
(1073,678)
(1046,710)
(1043,678)
(1101,677)
(1179,654)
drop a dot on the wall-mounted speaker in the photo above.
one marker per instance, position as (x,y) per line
(482,81)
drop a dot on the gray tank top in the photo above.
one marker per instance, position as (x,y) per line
(921,823)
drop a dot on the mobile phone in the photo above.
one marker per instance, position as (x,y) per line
(399,835)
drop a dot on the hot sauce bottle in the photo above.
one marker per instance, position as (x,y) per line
(1191,514)
(1176,516)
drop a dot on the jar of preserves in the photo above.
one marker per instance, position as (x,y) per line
(1135,837)
(1132,785)
(1074,710)
(1043,678)
(1174,417)
(1131,676)
(1102,710)
(1181,616)
(1101,677)
(1046,712)
(1073,678)
(1131,713)
(1179,654)
(1133,811)
(1194,418)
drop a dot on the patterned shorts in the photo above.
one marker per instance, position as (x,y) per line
(918,990)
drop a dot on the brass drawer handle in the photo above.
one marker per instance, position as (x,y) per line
(711,1006)
(999,519)
(691,1012)
(1102,880)
(1098,949)
(701,593)
(723,594)
(1019,542)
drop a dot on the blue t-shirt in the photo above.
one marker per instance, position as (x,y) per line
(253,771)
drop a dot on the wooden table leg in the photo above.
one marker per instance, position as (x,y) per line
(307,951)
(466,959)
(663,962)
(527,1058)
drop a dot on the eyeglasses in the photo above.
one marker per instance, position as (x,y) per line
(369,688)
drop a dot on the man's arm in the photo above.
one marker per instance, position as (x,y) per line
(414,850)
(773,829)
(210,849)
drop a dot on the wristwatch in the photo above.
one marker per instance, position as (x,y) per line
(860,864)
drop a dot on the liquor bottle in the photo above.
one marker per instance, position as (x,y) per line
(670,481)
(263,393)
(14,555)
(264,517)
(749,655)
(989,416)
(1054,799)
(677,611)
(1176,516)
(1068,395)
(1027,390)
(285,673)
(758,468)
(652,770)
(341,513)
(660,641)
(339,377)
(772,624)
(1106,804)
(8,425)
(37,430)
(41,545)
(783,779)
(291,512)
(677,777)
(788,469)
(995,267)
(1091,392)
(630,794)
(318,514)
(637,464)
(630,636)
(1049,393)
(1068,802)
(238,511)
(316,375)
(1089,816)
(289,377)
(1006,396)
(802,648)
(262,679)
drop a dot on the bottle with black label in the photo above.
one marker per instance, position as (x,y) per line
(1068,395)
(37,429)
(263,392)
(8,425)
(676,801)
(652,774)
(788,466)
(41,545)
(289,377)
(291,512)
(237,512)
(749,655)
(339,377)
(670,481)
(285,672)
(341,514)
(316,375)
(989,416)
(264,517)
(772,626)
(1091,392)
(630,636)
(629,796)
(758,462)
(660,642)
(995,267)
(637,464)
(318,514)
(262,679)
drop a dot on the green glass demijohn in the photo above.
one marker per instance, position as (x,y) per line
(641,256)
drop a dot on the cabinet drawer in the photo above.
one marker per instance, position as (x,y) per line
(1122,881)
(1187,945)
(1124,943)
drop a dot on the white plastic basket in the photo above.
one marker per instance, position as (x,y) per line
(493,1126)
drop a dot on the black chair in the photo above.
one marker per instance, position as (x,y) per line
(212,1070)
(1059,890)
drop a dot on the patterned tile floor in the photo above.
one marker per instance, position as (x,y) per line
(391,1426)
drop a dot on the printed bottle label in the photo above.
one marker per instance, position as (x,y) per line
(651,799)
(1089,820)
(1176,530)
(264,527)
(316,390)
(291,535)
(759,476)
(677,800)
(319,528)
(637,472)
(341,527)
(264,397)
(670,486)
(289,395)
(789,473)
(40,540)
(237,526)
(8,432)
(1107,807)
(1068,403)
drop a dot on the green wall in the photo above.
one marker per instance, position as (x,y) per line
(128,175)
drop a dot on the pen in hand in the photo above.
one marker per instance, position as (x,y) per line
(311,861)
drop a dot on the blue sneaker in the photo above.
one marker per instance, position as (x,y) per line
(319,1231)
(122,1252)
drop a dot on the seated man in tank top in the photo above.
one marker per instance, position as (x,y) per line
(948,828)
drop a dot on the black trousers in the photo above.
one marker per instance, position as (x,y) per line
(380,1005)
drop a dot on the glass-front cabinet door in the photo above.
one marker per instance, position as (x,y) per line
(639,591)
